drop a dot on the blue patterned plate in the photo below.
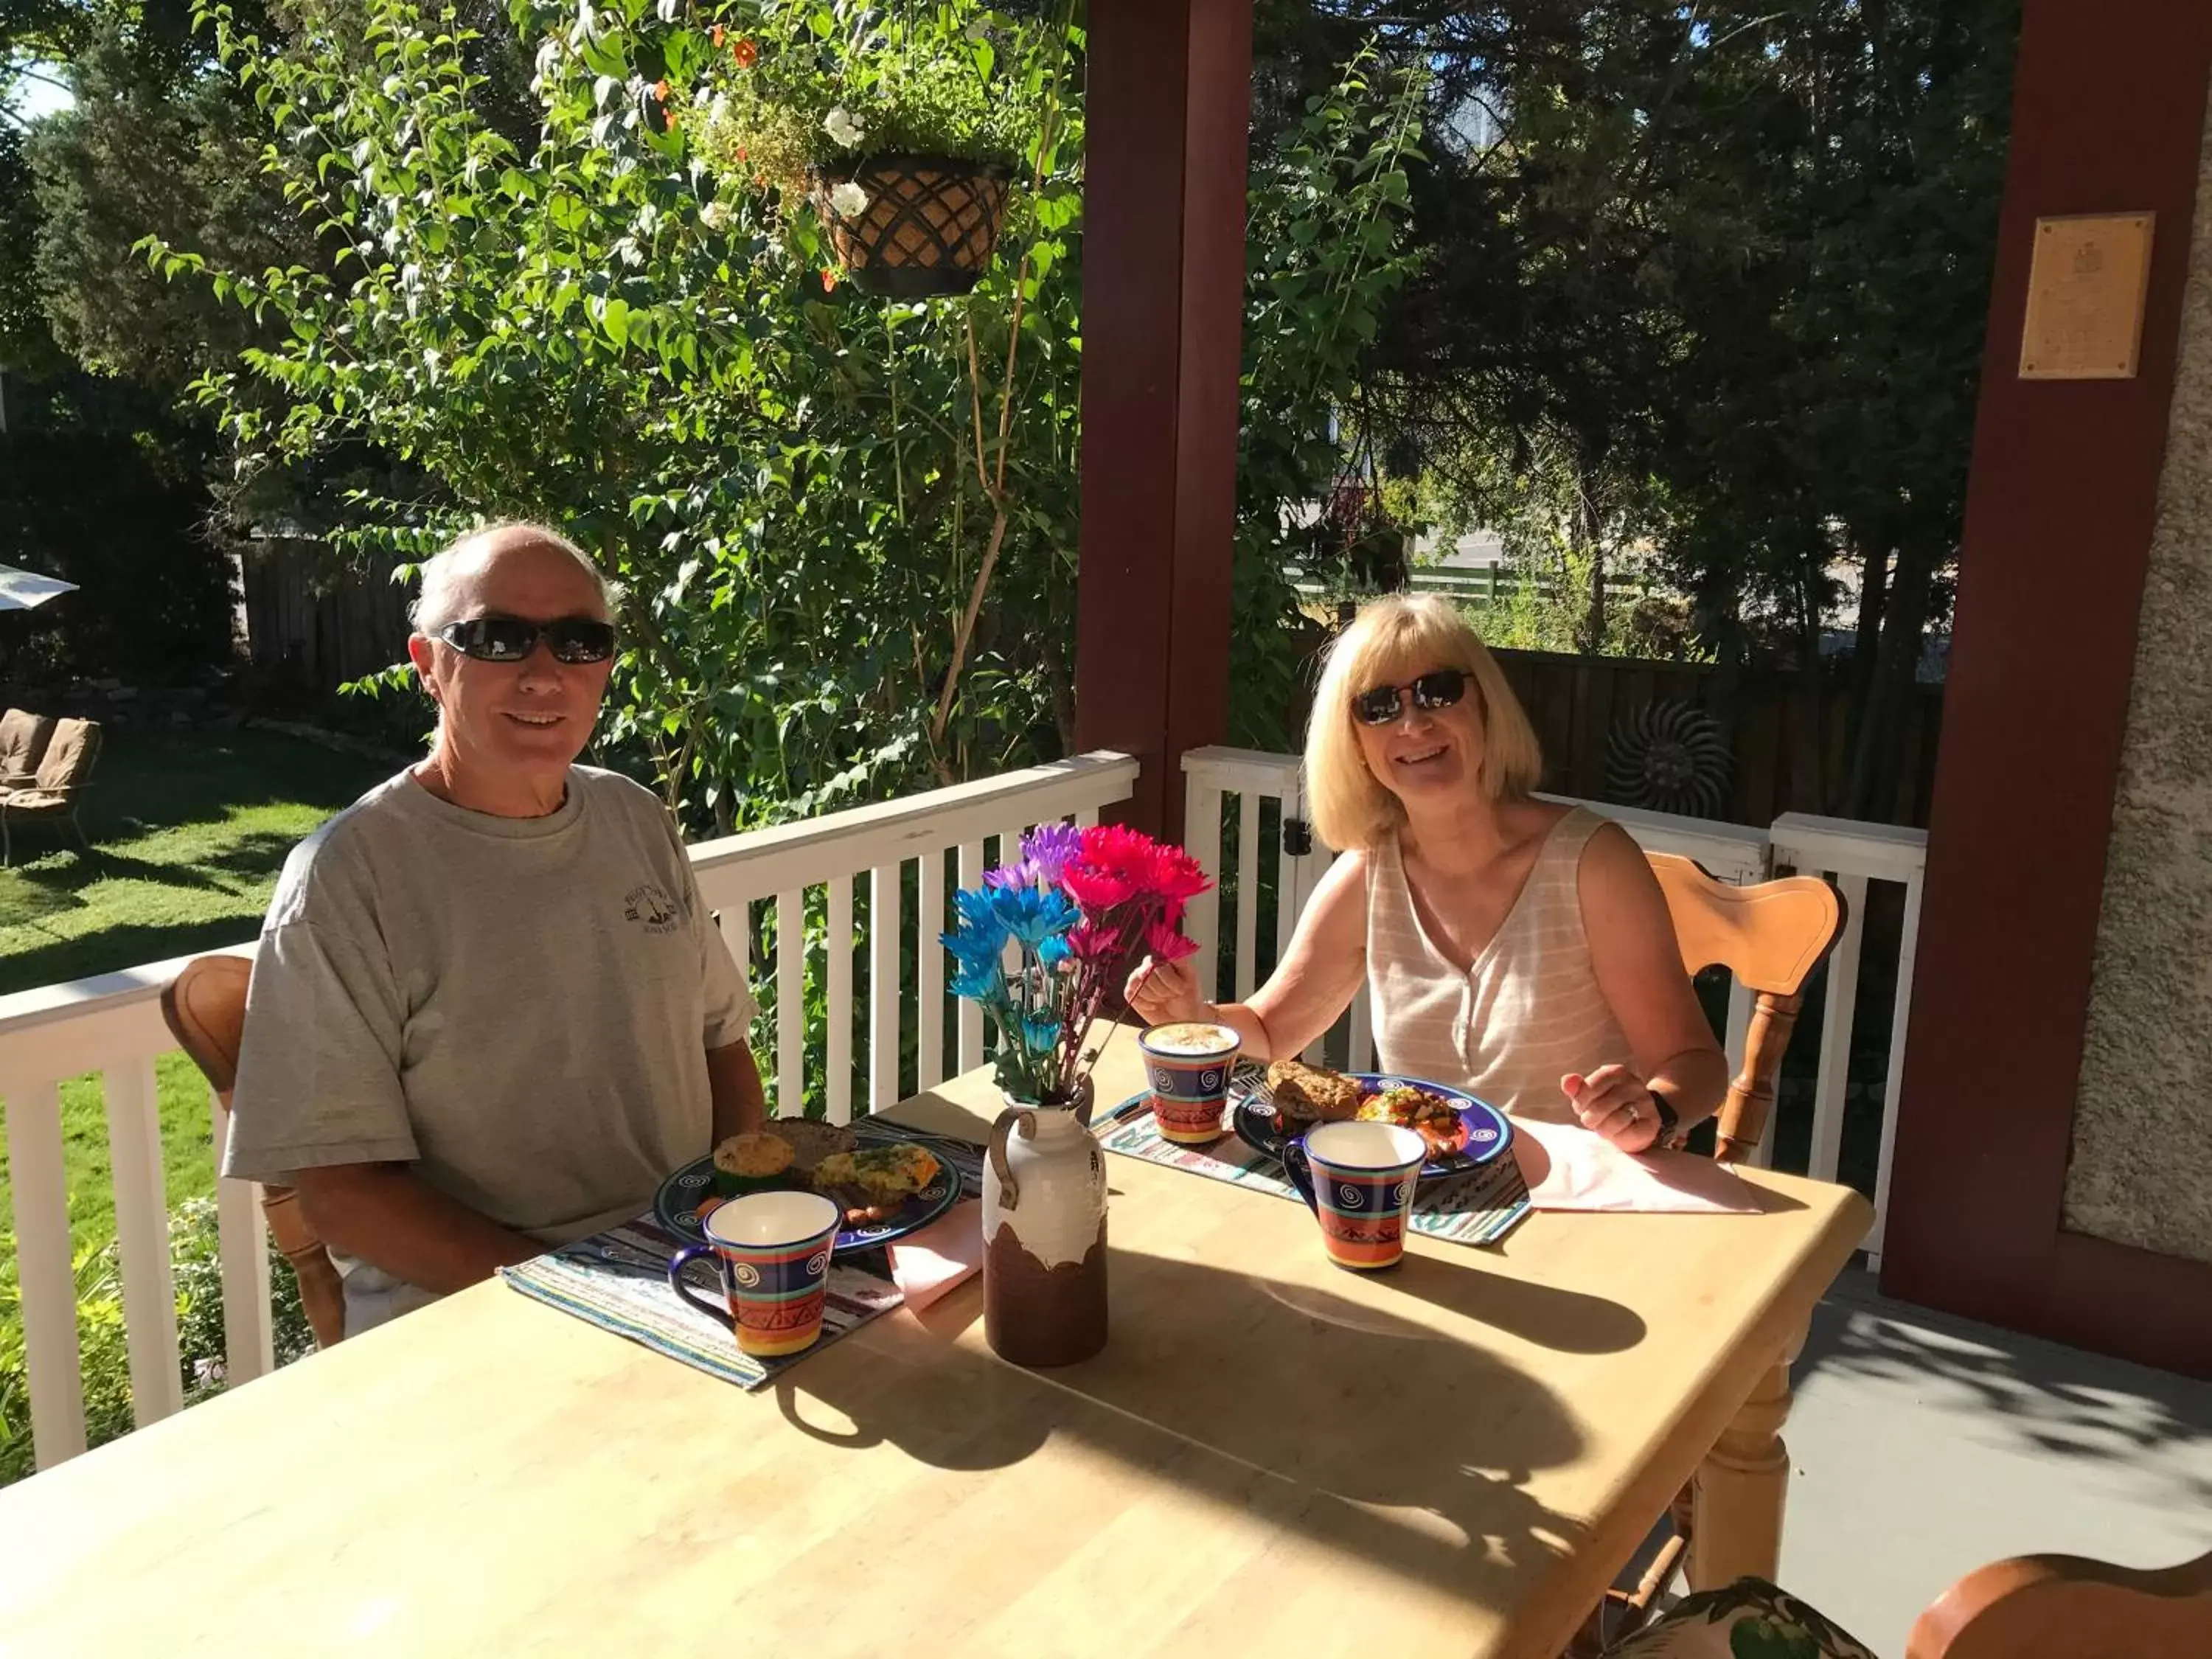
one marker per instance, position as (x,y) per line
(1489,1131)
(675,1207)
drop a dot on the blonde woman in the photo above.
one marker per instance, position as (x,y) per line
(1516,949)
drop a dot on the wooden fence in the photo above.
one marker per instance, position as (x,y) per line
(316,627)
(1786,731)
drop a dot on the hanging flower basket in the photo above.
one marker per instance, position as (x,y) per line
(928,225)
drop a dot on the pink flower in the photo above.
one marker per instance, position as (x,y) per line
(1166,942)
(1091,943)
(1096,891)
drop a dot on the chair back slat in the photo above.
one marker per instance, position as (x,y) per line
(1770,935)
(205,1008)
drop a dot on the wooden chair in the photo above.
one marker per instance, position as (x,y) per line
(65,771)
(1770,935)
(2032,1607)
(23,738)
(2067,1607)
(205,1008)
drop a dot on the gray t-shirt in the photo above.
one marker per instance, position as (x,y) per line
(519,1008)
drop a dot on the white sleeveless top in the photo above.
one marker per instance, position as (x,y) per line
(1526,1013)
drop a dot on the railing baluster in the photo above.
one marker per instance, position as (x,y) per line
(44,1273)
(142,1240)
(838,1091)
(1289,888)
(790,1004)
(1201,834)
(929,995)
(1834,1084)
(885,985)
(1247,892)
(1900,1013)
(970,1050)
(1086,818)
(249,1348)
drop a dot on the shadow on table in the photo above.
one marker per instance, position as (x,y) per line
(1288,1401)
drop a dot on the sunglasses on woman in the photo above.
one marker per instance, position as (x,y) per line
(510,639)
(1385,703)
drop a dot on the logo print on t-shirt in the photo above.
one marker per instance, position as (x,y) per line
(649,904)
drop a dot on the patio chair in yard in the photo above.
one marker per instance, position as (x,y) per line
(2032,1607)
(1770,935)
(205,1008)
(65,771)
(23,737)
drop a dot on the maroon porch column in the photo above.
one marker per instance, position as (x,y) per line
(1168,114)
(2107,117)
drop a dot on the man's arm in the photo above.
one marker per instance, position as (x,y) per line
(385,1215)
(735,1082)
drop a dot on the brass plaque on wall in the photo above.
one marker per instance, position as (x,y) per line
(2085,297)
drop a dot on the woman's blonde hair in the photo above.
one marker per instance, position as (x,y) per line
(1388,643)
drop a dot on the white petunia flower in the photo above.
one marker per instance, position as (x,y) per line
(850,199)
(714,216)
(841,127)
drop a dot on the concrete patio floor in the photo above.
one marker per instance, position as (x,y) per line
(1923,1446)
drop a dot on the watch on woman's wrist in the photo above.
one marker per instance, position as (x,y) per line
(1670,1121)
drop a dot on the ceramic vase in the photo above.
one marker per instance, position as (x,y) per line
(1044,1234)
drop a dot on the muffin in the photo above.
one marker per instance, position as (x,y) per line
(751,1164)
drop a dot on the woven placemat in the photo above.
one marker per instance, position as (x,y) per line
(1479,1208)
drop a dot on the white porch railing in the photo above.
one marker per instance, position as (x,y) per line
(112,1025)
(1239,799)
(904,1033)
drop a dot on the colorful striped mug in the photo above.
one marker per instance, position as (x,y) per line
(773,1250)
(1358,1180)
(1187,1064)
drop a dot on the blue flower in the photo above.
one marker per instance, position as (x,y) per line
(975,947)
(1054,950)
(1039,1033)
(1033,914)
(980,982)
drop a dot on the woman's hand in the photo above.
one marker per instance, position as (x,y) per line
(1613,1101)
(1165,993)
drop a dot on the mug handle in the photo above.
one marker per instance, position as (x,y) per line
(1300,1171)
(676,1263)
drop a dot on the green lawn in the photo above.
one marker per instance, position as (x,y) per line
(191,830)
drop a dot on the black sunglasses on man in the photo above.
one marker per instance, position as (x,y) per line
(573,640)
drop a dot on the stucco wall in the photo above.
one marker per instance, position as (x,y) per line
(2141,1169)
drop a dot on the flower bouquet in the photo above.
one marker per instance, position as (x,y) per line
(1076,908)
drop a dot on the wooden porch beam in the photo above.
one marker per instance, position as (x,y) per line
(1168,118)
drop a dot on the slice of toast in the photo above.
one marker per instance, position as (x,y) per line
(1311,1092)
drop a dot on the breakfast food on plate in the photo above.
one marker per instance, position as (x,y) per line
(811,1141)
(1193,1037)
(1305,1095)
(751,1164)
(1431,1117)
(871,1184)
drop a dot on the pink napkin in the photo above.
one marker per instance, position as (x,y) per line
(1570,1168)
(927,1264)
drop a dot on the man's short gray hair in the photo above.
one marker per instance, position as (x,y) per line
(433,604)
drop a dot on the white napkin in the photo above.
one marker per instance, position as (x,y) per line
(1570,1168)
(928,1264)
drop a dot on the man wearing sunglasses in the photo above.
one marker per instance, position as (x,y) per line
(490,1012)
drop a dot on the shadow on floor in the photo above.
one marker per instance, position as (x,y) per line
(2046,1397)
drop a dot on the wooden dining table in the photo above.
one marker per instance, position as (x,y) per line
(1272,1454)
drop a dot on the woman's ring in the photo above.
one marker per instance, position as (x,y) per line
(1633,1116)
